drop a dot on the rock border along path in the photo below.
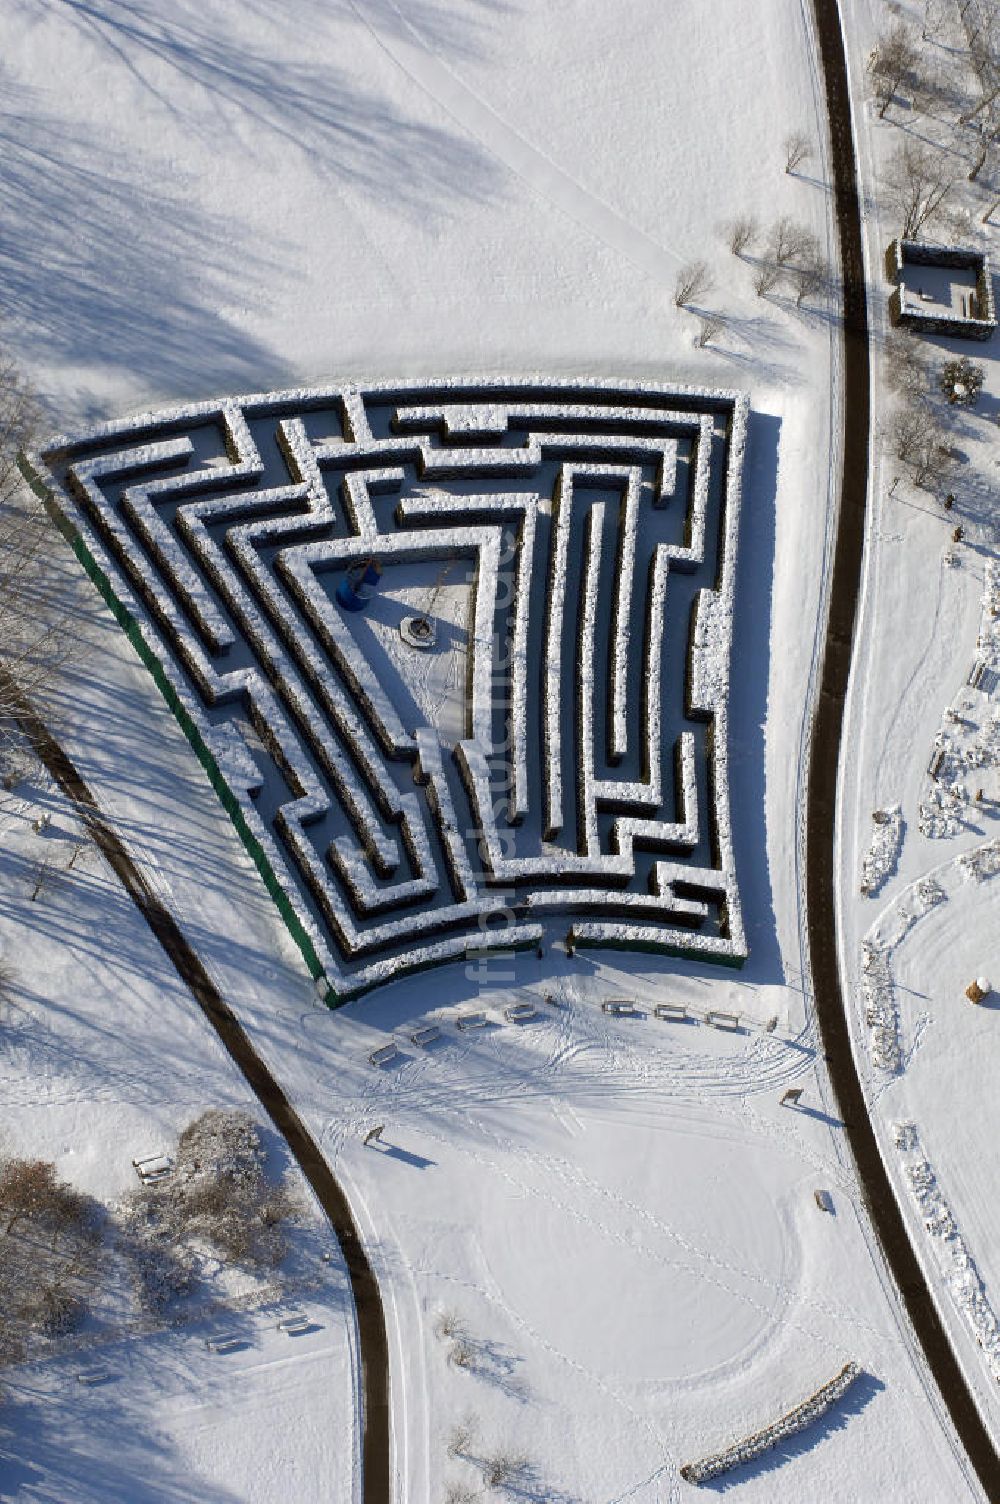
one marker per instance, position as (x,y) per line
(821,806)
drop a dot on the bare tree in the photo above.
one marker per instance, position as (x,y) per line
(907,368)
(918,180)
(502,1468)
(766,278)
(694,280)
(33,638)
(920,443)
(8,980)
(26,1188)
(462,1353)
(50,1245)
(934,14)
(447,1325)
(891,61)
(797,148)
(741,232)
(79,847)
(709,325)
(462,1437)
(982,27)
(987,140)
(790,241)
(41,874)
(809,274)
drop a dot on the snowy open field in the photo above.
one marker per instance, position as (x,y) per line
(616,1213)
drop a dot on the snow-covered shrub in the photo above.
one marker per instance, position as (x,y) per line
(218,1198)
(982,863)
(161,1267)
(878,1008)
(462,1436)
(502,1468)
(958,1267)
(883,853)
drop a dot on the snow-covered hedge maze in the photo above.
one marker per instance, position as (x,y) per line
(592,531)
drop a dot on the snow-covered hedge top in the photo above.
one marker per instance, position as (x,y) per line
(199,587)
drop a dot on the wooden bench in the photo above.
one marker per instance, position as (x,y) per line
(154,1167)
(295,1325)
(425,1035)
(228,1344)
(620,1007)
(520,1013)
(720,1020)
(471,1021)
(671,1013)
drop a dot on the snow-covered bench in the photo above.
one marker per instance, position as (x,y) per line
(383,1054)
(228,1343)
(153,1167)
(520,1013)
(295,1325)
(620,1007)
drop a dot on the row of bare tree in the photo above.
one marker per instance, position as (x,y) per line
(952,79)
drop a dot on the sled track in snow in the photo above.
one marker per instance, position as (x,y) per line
(373,1343)
(882,1205)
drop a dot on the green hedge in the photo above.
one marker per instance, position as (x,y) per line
(228,799)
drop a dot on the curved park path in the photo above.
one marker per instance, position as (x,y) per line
(374,1350)
(880,1198)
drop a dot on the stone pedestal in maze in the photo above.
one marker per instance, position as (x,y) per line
(573,779)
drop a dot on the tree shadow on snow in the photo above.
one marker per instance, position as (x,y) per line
(86,1447)
(748,703)
(110,261)
(103,267)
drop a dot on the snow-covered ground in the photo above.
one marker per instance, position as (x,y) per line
(103,1059)
(618,1213)
(921,734)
